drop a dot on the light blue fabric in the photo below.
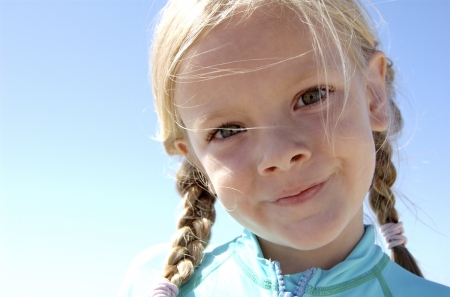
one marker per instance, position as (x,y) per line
(239,269)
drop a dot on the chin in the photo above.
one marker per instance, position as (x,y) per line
(319,235)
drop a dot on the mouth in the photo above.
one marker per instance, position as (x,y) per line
(300,197)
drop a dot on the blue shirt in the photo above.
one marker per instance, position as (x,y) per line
(238,268)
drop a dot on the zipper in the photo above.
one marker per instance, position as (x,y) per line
(301,286)
(306,277)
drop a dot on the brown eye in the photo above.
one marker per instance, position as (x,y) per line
(313,96)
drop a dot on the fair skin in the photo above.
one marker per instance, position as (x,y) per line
(294,171)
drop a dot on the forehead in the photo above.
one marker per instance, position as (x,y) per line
(242,36)
(236,55)
(264,35)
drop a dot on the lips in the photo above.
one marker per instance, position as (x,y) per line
(300,196)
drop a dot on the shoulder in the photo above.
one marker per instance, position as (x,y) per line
(146,267)
(215,258)
(404,283)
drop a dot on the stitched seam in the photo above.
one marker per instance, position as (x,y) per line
(265,284)
(382,281)
(192,285)
(335,289)
(350,284)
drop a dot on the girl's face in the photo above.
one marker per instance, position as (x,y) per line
(287,155)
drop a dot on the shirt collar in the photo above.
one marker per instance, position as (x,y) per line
(361,260)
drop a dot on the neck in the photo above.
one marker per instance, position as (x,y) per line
(293,260)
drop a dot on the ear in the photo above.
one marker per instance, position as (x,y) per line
(185,149)
(377,98)
(182,146)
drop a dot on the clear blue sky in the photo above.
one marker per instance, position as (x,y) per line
(84,188)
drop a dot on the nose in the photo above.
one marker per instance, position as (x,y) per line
(281,150)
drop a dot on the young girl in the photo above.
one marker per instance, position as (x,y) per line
(284,112)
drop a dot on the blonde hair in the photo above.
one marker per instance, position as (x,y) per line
(344,23)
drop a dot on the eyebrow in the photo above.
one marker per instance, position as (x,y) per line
(307,73)
(200,122)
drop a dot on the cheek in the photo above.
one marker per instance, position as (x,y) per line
(230,177)
(354,144)
(350,123)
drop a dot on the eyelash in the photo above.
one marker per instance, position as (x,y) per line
(327,90)
(225,126)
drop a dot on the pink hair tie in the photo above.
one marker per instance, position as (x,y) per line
(392,233)
(164,288)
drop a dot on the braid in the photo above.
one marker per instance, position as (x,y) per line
(194,225)
(382,199)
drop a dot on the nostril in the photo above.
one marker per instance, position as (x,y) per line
(296,158)
(271,169)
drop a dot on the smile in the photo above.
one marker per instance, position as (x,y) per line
(300,197)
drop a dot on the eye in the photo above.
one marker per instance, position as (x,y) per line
(312,96)
(226,131)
